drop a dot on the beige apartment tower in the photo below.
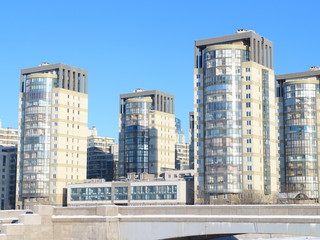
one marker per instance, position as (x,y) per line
(53,117)
(147,132)
(235,136)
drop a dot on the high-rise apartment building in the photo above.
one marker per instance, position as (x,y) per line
(8,168)
(191,140)
(234,118)
(147,132)
(299,117)
(182,156)
(8,136)
(102,157)
(181,148)
(180,137)
(53,132)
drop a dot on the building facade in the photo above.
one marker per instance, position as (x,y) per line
(235,134)
(182,156)
(53,116)
(8,136)
(102,157)
(191,140)
(181,148)
(299,115)
(152,192)
(147,132)
(8,168)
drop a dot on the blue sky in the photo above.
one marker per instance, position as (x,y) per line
(142,44)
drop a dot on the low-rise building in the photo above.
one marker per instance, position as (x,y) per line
(136,192)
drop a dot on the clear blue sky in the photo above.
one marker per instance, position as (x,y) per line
(142,44)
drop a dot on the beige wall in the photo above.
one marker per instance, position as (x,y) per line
(256,110)
(162,140)
(68,141)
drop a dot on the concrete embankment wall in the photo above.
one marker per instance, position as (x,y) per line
(111,222)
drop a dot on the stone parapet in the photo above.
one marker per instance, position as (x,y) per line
(154,222)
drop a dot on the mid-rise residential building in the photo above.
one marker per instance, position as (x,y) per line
(147,132)
(235,138)
(8,168)
(53,119)
(8,136)
(102,157)
(299,117)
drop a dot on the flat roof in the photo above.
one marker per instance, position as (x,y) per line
(145,93)
(48,67)
(231,38)
(298,75)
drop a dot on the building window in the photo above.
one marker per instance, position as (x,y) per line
(249,168)
(249,186)
(248,131)
(198,84)
(249,177)
(248,104)
(248,95)
(249,123)
(249,140)
(248,114)
(247,78)
(248,87)
(249,150)
(247,69)
(249,159)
